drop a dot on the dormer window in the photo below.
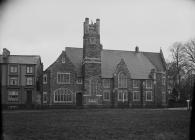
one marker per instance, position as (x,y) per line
(63,60)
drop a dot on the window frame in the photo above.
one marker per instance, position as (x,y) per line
(27,82)
(149,92)
(15,67)
(137,84)
(148,87)
(136,92)
(164,80)
(123,92)
(122,80)
(8,96)
(108,92)
(11,78)
(29,69)
(45,79)
(63,95)
(106,83)
(63,73)
(93,87)
(79,81)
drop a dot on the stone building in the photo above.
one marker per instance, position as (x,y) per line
(21,80)
(93,76)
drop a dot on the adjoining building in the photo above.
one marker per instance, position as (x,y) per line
(93,76)
(21,80)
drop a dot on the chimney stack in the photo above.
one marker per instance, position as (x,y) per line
(6,53)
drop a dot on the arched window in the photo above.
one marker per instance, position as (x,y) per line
(63,95)
(94,86)
(122,80)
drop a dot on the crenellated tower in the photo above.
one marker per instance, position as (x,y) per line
(91,57)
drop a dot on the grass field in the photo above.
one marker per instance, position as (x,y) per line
(97,124)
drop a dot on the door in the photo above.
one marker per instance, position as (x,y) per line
(79,99)
(29,98)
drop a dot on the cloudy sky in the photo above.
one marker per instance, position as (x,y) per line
(46,27)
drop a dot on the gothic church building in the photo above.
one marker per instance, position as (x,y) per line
(94,76)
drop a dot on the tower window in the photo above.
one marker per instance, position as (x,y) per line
(94,86)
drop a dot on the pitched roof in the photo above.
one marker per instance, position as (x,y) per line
(21,59)
(76,56)
(156,60)
(138,64)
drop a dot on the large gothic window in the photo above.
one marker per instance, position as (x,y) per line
(63,95)
(122,80)
(94,86)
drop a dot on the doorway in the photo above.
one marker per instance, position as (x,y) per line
(79,99)
(29,98)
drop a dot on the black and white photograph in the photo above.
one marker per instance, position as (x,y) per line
(97,69)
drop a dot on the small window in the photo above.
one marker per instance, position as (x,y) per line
(63,78)
(148,84)
(44,79)
(63,60)
(29,69)
(148,95)
(13,80)
(122,95)
(135,83)
(136,96)
(106,95)
(13,69)
(79,81)
(106,83)
(163,80)
(29,81)
(44,97)
(13,96)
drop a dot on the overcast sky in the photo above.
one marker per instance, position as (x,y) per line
(46,27)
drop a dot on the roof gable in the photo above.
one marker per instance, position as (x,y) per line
(138,65)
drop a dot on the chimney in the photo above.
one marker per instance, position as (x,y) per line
(136,49)
(98,26)
(86,26)
(6,53)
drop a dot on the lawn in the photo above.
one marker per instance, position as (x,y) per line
(98,124)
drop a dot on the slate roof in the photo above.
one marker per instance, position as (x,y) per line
(138,64)
(21,59)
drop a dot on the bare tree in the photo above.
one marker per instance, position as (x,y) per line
(189,52)
(178,65)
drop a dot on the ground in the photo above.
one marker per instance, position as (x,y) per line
(100,124)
